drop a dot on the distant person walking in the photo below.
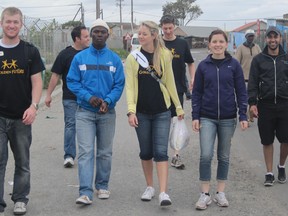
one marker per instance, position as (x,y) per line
(149,91)
(268,100)
(60,68)
(244,54)
(218,92)
(181,56)
(96,77)
(21,88)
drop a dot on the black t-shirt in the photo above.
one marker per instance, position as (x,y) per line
(217,62)
(150,97)
(181,55)
(61,66)
(15,81)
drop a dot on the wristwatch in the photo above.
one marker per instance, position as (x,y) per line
(36,105)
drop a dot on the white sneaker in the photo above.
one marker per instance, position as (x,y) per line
(203,202)
(2,214)
(164,199)
(68,162)
(148,194)
(221,200)
(19,208)
(84,200)
(103,194)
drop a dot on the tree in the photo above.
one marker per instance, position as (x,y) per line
(182,10)
(71,24)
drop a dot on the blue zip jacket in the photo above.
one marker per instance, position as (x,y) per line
(96,73)
(217,92)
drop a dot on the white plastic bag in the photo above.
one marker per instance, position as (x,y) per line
(179,134)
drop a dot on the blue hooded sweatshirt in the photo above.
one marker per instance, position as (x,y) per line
(96,73)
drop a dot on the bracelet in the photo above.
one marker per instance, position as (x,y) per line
(130,113)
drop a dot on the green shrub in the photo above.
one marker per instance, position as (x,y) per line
(46,79)
(121,52)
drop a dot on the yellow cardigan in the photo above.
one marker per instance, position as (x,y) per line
(168,87)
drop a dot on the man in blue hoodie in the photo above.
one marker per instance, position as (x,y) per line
(96,77)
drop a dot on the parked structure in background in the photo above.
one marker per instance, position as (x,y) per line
(237,36)
(196,36)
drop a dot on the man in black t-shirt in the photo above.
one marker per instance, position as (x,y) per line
(21,89)
(181,56)
(81,39)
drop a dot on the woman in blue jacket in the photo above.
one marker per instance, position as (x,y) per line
(219,89)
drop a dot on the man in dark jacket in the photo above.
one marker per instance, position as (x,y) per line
(268,100)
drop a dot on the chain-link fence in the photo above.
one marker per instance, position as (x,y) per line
(47,36)
(50,38)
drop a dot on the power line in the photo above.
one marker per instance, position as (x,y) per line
(47,6)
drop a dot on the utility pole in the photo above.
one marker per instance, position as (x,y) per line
(101,14)
(121,25)
(132,16)
(97,9)
(82,14)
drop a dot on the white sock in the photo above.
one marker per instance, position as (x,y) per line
(269,173)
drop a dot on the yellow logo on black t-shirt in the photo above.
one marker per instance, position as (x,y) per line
(10,68)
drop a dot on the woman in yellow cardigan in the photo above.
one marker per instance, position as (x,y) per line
(150,88)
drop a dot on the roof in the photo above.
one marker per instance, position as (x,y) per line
(247,26)
(194,31)
(125,25)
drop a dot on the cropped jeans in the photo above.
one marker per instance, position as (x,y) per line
(209,129)
(91,126)
(70,107)
(153,134)
(19,136)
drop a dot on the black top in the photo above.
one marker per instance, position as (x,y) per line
(150,97)
(181,55)
(61,66)
(15,78)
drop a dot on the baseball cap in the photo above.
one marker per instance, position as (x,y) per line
(249,32)
(100,22)
(272,29)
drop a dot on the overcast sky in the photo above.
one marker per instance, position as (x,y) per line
(225,14)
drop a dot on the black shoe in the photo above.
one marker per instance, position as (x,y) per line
(269,180)
(281,175)
(188,97)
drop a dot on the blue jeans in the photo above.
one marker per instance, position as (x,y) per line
(91,125)
(153,134)
(70,107)
(209,129)
(20,137)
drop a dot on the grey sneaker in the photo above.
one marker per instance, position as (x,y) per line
(68,162)
(103,194)
(269,180)
(221,200)
(85,200)
(148,194)
(176,162)
(19,208)
(203,202)
(164,199)
(2,214)
(281,175)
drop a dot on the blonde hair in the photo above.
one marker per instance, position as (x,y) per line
(158,43)
(11,11)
